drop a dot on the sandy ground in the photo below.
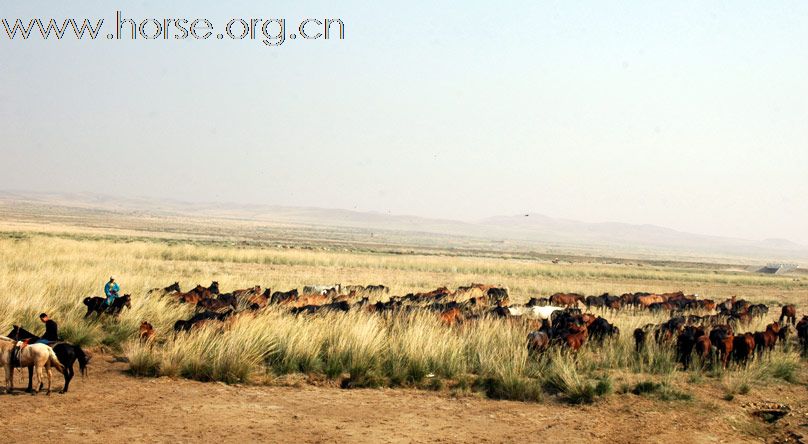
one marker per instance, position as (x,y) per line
(112,407)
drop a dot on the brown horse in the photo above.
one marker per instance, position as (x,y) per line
(575,337)
(146,332)
(216,304)
(722,337)
(192,297)
(307,300)
(259,300)
(703,347)
(198,293)
(537,342)
(766,340)
(246,292)
(646,301)
(789,313)
(566,299)
(743,347)
(451,317)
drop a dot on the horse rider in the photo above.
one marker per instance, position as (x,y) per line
(51,335)
(111,290)
(51,330)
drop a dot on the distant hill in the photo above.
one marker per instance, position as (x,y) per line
(539,227)
(530,229)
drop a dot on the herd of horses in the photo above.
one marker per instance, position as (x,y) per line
(699,326)
(564,320)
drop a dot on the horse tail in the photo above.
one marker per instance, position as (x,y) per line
(54,361)
(83,360)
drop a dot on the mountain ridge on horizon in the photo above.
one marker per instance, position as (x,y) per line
(531,227)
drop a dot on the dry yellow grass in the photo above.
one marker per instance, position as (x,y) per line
(54,271)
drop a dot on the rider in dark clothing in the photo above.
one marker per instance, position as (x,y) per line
(51,335)
(51,329)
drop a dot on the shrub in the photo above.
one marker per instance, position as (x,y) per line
(142,360)
(511,388)
(563,378)
(663,391)
(784,367)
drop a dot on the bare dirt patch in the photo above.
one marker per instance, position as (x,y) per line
(112,407)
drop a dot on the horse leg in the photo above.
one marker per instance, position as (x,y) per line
(39,377)
(9,378)
(31,380)
(30,388)
(50,377)
(68,374)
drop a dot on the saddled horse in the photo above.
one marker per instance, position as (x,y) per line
(98,305)
(67,354)
(38,356)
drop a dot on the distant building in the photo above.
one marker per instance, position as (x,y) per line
(778,268)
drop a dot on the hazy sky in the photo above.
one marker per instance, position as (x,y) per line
(686,114)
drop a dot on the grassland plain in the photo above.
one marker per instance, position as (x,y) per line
(52,270)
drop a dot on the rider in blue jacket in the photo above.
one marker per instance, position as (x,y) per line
(111,290)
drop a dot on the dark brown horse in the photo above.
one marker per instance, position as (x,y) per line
(99,305)
(279,297)
(802,333)
(743,347)
(173,288)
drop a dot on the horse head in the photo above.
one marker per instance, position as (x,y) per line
(173,287)
(214,287)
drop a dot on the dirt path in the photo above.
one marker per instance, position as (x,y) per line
(111,407)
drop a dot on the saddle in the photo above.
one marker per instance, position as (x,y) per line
(16,353)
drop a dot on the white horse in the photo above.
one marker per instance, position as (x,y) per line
(39,356)
(534,312)
(321,289)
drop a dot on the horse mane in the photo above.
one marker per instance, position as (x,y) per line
(121,300)
(23,333)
